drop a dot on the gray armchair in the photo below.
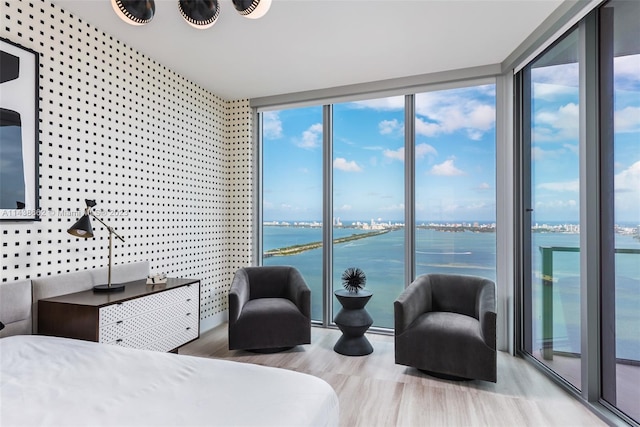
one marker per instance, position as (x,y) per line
(446,325)
(269,309)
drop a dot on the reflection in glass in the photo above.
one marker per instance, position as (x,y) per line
(12,185)
(555,215)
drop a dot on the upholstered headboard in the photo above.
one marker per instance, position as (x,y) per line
(15,308)
(19,300)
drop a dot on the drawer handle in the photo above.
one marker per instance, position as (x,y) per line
(188,314)
(119,340)
(188,328)
(188,299)
(119,322)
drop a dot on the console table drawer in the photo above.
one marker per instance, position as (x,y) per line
(148,337)
(133,325)
(118,312)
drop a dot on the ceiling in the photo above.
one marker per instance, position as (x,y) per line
(303,45)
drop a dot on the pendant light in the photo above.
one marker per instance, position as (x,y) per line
(199,14)
(252,9)
(134,12)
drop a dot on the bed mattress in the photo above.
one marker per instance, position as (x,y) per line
(64,382)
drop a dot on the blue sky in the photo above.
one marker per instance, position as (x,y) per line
(455,159)
(555,150)
(455,154)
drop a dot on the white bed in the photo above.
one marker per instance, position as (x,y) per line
(64,382)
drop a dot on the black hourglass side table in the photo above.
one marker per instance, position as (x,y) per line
(353,320)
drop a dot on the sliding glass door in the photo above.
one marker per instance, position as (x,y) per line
(553,210)
(579,126)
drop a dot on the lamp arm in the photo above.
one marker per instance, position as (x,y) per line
(110,229)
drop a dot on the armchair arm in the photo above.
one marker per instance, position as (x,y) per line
(487,312)
(238,294)
(412,302)
(299,293)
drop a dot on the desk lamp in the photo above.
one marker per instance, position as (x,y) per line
(82,228)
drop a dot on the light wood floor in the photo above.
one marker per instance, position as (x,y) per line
(374,391)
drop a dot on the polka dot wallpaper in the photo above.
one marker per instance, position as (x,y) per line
(168,163)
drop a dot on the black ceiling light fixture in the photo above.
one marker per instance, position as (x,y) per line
(134,12)
(252,9)
(200,14)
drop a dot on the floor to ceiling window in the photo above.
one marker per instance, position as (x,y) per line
(579,115)
(452,152)
(455,173)
(292,194)
(368,199)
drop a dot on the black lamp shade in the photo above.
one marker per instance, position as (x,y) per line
(253,9)
(82,228)
(200,14)
(135,12)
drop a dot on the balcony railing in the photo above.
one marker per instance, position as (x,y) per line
(547,293)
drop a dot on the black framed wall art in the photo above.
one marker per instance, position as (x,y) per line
(18,132)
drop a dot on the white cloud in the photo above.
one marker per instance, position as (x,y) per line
(627,120)
(573,186)
(311,138)
(427,128)
(420,152)
(562,74)
(627,192)
(484,187)
(387,127)
(628,181)
(424,149)
(550,92)
(342,164)
(445,112)
(559,124)
(343,208)
(271,125)
(395,154)
(446,168)
(626,71)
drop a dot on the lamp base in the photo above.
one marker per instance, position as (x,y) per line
(115,287)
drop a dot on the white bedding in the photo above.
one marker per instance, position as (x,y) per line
(63,382)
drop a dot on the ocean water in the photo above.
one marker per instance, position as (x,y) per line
(382,259)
